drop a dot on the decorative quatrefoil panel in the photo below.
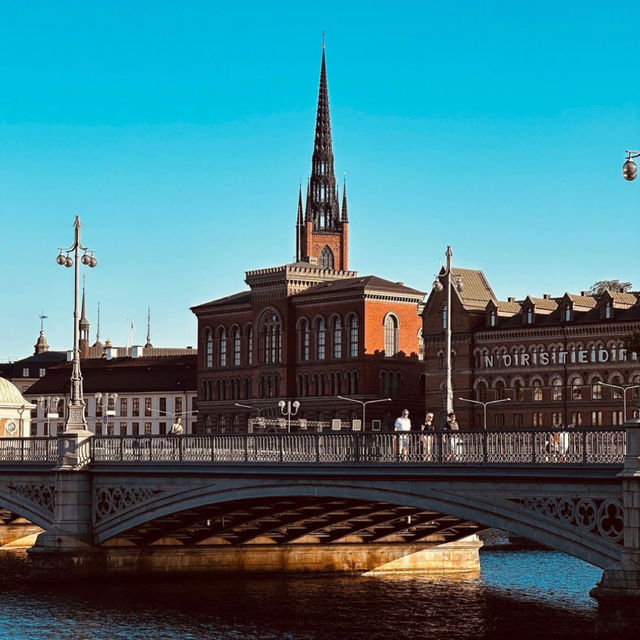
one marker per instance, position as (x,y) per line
(109,501)
(41,495)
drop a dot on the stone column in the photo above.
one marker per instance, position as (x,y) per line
(618,593)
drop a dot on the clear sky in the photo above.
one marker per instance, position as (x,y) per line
(179,132)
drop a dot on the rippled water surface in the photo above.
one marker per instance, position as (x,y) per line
(518,594)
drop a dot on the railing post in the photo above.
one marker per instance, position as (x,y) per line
(437,441)
(485,453)
(317,440)
(180,447)
(279,436)
(121,449)
(584,446)
(246,447)
(533,446)
(356,451)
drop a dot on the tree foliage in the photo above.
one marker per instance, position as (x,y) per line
(601,286)
(632,342)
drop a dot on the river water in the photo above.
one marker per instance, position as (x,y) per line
(519,595)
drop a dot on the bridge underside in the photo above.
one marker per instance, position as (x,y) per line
(300,520)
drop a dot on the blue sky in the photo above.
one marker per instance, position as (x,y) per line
(179,132)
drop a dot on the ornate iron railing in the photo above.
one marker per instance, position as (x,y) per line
(534,446)
(584,446)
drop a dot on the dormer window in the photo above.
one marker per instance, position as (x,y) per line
(530,315)
(607,310)
(567,314)
(492,318)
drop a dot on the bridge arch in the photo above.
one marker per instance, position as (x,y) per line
(470,511)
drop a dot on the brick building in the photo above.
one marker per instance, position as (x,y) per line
(551,356)
(311,330)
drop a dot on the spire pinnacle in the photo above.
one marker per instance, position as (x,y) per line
(83,315)
(148,345)
(345,211)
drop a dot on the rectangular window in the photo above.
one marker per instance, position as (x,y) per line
(135,408)
(59,427)
(25,372)
(576,392)
(123,428)
(97,428)
(518,419)
(111,428)
(596,391)
(123,406)
(556,418)
(617,418)
(596,418)
(162,402)
(147,429)
(162,428)
(135,428)
(147,407)
(42,372)
(537,419)
(576,418)
(33,429)
(98,408)
(178,404)
(498,420)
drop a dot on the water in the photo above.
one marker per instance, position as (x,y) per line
(517,594)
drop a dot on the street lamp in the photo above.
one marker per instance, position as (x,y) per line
(624,394)
(364,404)
(76,420)
(484,406)
(629,168)
(47,404)
(438,287)
(289,409)
(248,406)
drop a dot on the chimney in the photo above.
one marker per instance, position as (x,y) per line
(112,352)
(584,293)
(137,351)
(511,299)
(546,296)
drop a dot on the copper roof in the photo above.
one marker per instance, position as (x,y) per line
(476,291)
(363,283)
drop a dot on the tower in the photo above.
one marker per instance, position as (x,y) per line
(324,235)
(41,344)
(84,330)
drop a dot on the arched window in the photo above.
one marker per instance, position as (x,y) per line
(353,337)
(326,258)
(481,391)
(270,338)
(305,340)
(518,389)
(567,313)
(537,391)
(337,338)
(384,389)
(616,394)
(390,335)
(445,317)
(249,345)
(321,339)
(420,345)
(236,346)
(492,318)
(530,315)
(576,389)
(596,389)
(500,388)
(556,389)
(208,349)
(222,347)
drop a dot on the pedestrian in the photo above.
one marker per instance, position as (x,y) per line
(426,438)
(454,439)
(403,424)
(176,428)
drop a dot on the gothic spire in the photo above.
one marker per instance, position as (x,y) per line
(322,207)
(345,211)
(97,342)
(299,227)
(148,345)
(83,315)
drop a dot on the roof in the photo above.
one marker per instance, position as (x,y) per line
(582,301)
(549,304)
(476,291)
(363,283)
(505,306)
(623,298)
(236,298)
(9,394)
(148,374)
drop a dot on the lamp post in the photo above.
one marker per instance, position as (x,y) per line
(624,390)
(47,403)
(484,406)
(76,419)
(364,404)
(289,409)
(438,286)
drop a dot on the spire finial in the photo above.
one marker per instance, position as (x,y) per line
(42,319)
(323,42)
(98,330)
(148,345)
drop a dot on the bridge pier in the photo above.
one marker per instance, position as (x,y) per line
(618,593)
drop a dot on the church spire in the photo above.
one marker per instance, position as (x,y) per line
(41,343)
(84,328)
(324,211)
(345,211)
(148,345)
(299,227)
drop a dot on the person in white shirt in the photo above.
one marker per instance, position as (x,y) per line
(403,424)
(177,429)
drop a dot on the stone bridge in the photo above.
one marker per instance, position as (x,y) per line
(250,501)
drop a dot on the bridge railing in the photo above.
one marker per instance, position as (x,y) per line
(524,446)
(41,449)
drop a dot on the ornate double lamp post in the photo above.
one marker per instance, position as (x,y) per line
(289,409)
(446,319)
(76,420)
